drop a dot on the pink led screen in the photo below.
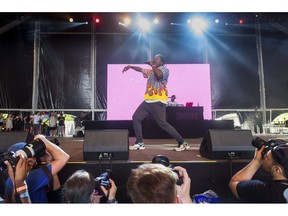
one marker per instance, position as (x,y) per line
(188,82)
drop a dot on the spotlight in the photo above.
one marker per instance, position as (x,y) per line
(241,21)
(198,25)
(127,21)
(143,25)
(156,21)
(216,21)
(97,20)
(71,19)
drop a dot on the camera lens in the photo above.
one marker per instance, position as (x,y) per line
(257,142)
(35,148)
(10,157)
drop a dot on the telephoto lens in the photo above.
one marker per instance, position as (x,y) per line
(258,142)
(35,148)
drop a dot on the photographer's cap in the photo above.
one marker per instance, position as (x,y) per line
(280,155)
(17,146)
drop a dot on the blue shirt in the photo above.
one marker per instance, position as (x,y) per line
(36,182)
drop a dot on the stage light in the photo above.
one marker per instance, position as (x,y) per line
(97,20)
(156,21)
(127,21)
(71,19)
(198,25)
(216,21)
(143,24)
(241,21)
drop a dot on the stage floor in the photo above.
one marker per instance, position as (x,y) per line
(74,147)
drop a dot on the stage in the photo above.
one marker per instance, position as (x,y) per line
(205,174)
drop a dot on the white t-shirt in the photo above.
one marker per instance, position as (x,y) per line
(172,103)
(36,119)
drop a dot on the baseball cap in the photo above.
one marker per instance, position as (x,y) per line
(280,155)
(17,146)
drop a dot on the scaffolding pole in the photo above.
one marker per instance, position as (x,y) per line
(36,57)
(260,70)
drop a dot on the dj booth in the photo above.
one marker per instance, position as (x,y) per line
(188,121)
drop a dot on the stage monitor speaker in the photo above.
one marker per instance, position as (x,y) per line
(106,144)
(227,144)
(9,138)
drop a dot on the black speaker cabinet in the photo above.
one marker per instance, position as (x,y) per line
(7,139)
(227,144)
(106,145)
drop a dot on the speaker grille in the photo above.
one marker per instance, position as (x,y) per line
(227,144)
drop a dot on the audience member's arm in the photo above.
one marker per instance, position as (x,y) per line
(60,156)
(183,191)
(18,179)
(247,172)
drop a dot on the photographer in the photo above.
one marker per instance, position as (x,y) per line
(156,183)
(274,162)
(80,187)
(38,179)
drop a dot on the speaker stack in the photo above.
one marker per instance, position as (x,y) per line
(106,144)
(227,144)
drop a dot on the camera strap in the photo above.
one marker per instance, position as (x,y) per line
(49,176)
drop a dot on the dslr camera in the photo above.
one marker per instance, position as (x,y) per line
(258,142)
(35,148)
(103,180)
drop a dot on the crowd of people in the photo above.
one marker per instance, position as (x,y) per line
(50,123)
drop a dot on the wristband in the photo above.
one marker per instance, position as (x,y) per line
(24,187)
(112,201)
(24,195)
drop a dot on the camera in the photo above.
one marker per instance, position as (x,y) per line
(103,180)
(35,148)
(258,142)
(179,180)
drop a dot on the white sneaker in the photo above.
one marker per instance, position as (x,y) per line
(182,147)
(137,146)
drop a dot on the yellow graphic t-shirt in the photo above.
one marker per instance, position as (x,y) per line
(156,89)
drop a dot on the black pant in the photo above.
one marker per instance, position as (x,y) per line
(158,112)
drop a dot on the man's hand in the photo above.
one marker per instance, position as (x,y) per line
(111,193)
(183,191)
(21,171)
(126,68)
